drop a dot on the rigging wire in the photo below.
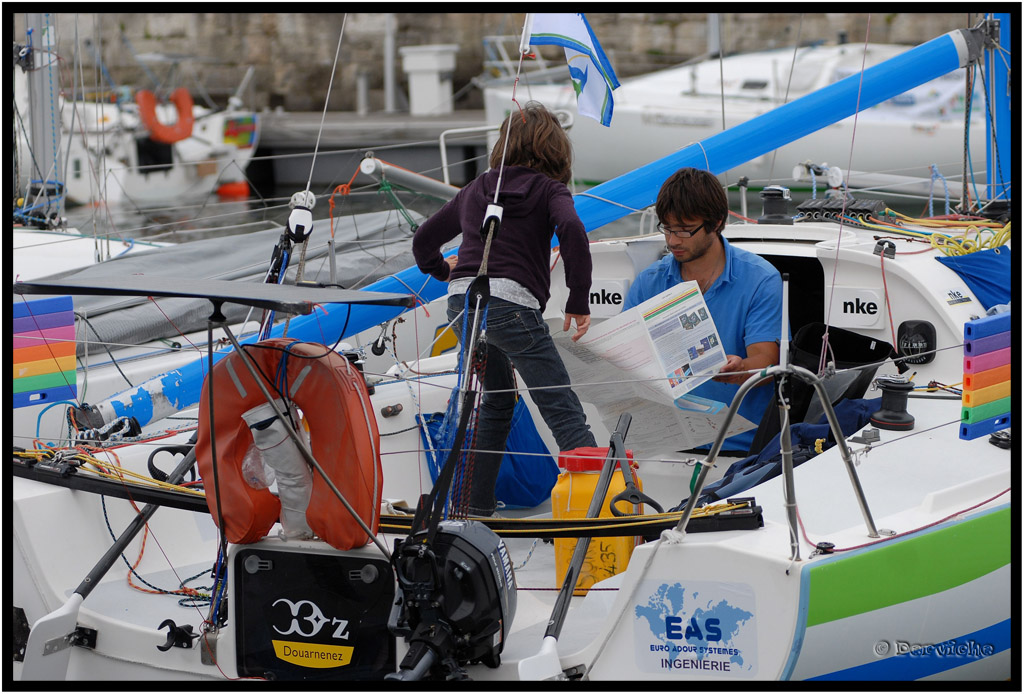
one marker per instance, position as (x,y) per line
(327,99)
(789,81)
(846,198)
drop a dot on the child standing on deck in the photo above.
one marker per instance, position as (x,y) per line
(537,205)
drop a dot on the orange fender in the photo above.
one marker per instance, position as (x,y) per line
(344,439)
(168,134)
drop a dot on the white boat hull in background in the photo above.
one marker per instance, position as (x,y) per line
(664,111)
(101,144)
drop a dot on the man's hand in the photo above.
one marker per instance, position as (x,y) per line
(582,324)
(759,355)
(733,363)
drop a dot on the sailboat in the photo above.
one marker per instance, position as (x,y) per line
(125,146)
(883,557)
(674,107)
(41,243)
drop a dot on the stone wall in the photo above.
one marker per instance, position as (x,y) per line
(293,53)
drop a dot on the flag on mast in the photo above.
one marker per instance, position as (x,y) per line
(592,76)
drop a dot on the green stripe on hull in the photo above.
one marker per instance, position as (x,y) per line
(908,569)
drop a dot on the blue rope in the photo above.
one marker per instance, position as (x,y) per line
(219,582)
(285,259)
(282,371)
(131,245)
(52,404)
(931,188)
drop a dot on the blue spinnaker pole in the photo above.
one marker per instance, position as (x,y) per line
(741,143)
(178,389)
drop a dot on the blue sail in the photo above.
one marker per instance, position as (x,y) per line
(178,389)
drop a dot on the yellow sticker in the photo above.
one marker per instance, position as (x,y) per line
(444,340)
(313,654)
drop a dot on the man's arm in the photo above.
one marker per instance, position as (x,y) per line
(759,355)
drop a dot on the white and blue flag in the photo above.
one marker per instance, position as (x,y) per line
(592,76)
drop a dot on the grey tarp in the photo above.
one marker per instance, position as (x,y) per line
(367,247)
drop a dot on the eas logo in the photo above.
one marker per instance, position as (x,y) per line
(710,632)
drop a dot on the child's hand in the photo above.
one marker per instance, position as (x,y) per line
(582,324)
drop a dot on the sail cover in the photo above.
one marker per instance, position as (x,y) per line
(986,273)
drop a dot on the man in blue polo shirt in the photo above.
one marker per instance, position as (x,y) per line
(743,291)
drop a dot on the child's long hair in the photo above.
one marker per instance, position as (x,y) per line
(539,142)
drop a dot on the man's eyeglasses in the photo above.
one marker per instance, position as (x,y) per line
(680,233)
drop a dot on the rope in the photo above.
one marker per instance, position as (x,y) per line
(931,188)
(888,307)
(327,100)
(853,139)
(908,532)
(789,81)
(968,97)
(343,189)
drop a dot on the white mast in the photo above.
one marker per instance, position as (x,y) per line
(44,110)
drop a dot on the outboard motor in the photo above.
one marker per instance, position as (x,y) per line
(455,578)
(457,600)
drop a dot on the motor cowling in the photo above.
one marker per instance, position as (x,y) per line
(457,600)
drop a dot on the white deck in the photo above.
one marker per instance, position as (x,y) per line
(910,480)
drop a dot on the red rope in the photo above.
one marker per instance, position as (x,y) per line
(888,308)
(903,534)
(344,189)
(168,319)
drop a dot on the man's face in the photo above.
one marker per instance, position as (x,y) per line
(684,247)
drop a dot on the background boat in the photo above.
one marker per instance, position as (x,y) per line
(107,153)
(672,108)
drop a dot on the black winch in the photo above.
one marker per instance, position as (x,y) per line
(893,414)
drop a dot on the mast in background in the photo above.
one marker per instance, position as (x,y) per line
(998,131)
(47,171)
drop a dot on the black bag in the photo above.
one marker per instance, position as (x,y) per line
(848,350)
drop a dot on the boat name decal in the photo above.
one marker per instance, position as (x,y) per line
(702,626)
(314,655)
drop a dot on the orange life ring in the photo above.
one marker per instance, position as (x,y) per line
(167,134)
(344,439)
